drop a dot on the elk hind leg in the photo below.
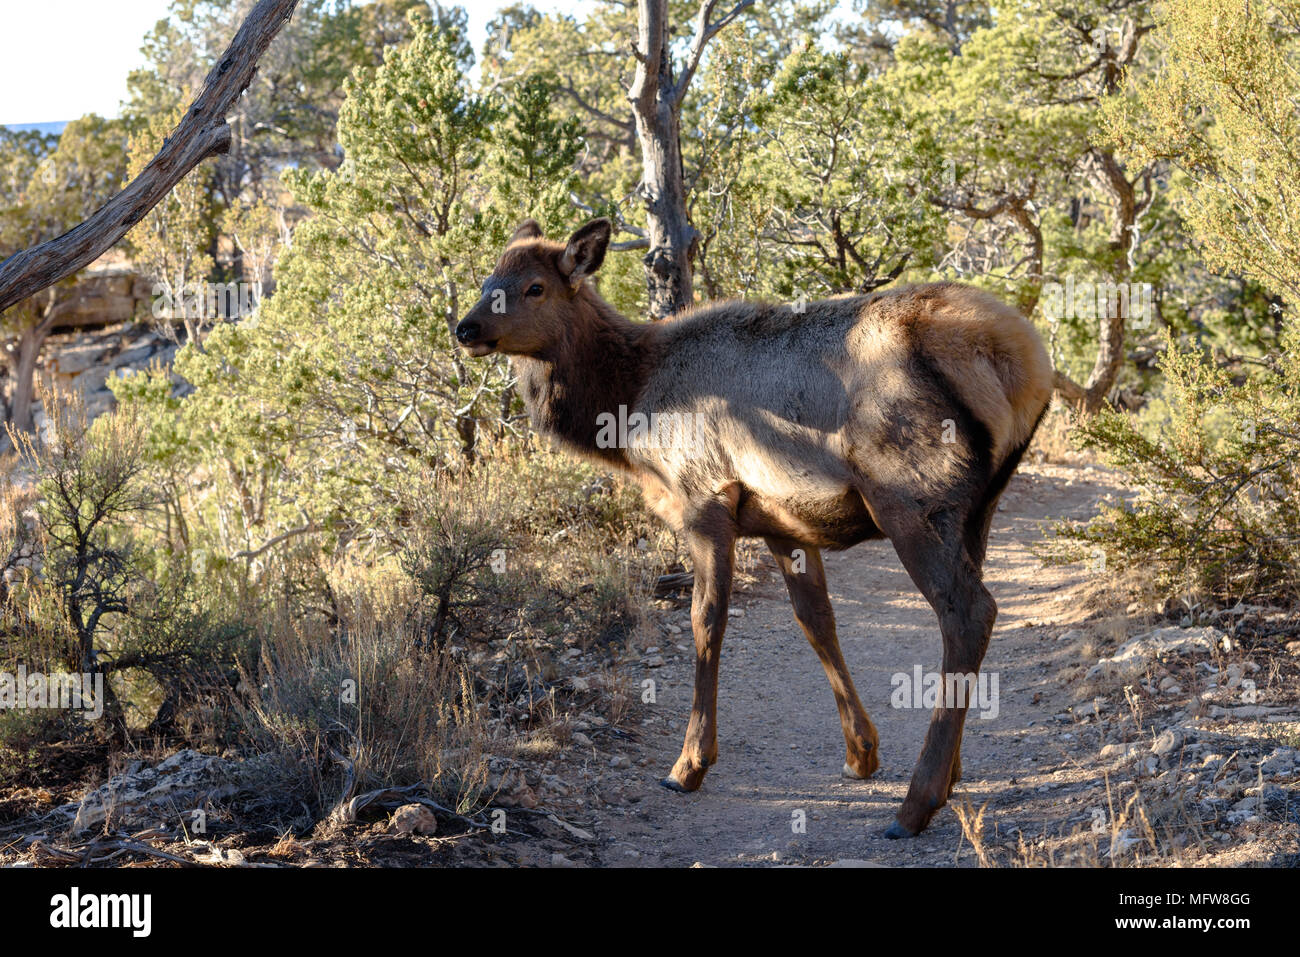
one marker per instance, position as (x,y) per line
(936,558)
(805,579)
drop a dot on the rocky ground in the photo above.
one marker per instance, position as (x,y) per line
(1116,739)
(86,360)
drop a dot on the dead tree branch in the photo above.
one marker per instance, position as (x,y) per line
(201,133)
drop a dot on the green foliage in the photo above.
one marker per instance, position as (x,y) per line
(171,243)
(1225,109)
(1217,510)
(533,166)
(847,177)
(318,414)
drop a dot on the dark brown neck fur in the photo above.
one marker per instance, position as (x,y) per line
(602,362)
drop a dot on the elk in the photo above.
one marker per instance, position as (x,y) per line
(899,414)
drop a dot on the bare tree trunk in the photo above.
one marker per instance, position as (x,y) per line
(23,377)
(22,373)
(673,240)
(656,107)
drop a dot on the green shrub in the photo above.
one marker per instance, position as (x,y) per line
(1217,504)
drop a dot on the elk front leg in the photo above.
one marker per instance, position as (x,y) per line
(711,540)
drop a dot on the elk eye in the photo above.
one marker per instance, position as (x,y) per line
(534,290)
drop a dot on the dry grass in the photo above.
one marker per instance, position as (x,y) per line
(363,709)
(1131,827)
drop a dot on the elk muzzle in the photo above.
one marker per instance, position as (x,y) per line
(471,335)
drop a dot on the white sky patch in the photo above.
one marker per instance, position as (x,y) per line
(67,58)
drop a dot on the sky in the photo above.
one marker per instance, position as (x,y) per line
(66,58)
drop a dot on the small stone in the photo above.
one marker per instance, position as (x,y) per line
(581,740)
(559,860)
(620,761)
(655,661)
(1118,752)
(1166,742)
(413,819)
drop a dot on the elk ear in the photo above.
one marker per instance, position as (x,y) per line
(585,251)
(528,229)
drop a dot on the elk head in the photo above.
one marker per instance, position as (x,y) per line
(529,300)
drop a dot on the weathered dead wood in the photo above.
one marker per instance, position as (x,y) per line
(656,100)
(202,132)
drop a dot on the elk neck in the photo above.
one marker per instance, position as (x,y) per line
(601,361)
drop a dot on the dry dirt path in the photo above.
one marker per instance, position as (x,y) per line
(779,737)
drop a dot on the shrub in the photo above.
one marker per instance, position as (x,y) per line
(1217,509)
(363,707)
(90,586)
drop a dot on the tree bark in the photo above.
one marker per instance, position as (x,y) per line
(656,108)
(1089,396)
(22,373)
(23,377)
(201,132)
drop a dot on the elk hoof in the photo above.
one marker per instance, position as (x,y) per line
(671,784)
(861,767)
(896,831)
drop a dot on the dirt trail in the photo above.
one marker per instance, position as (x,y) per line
(780,744)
